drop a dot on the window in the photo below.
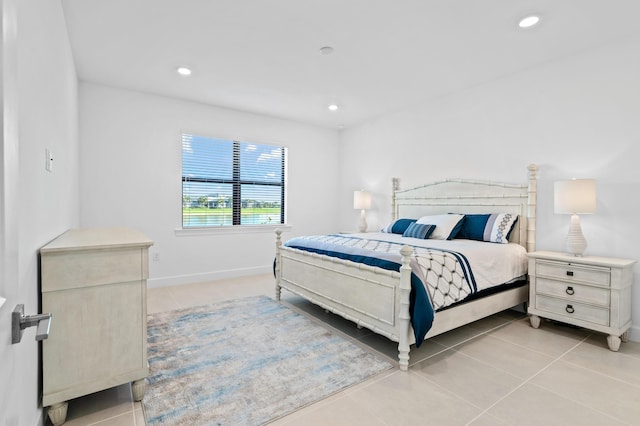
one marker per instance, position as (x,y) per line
(226,182)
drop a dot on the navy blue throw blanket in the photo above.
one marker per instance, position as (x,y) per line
(420,308)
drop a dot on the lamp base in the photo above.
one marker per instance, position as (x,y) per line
(576,243)
(362,226)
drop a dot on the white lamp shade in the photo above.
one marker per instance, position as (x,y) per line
(361,200)
(575,196)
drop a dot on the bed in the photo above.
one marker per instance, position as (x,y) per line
(385,291)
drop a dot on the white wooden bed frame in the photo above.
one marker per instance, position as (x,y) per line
(378,299)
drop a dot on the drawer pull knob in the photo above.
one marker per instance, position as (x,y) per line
(569,273)
(569,309)
(570,291)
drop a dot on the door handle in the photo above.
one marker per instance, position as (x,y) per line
(20,321)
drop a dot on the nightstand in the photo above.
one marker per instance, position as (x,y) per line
(591,292)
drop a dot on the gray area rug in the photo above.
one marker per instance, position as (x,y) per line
(245,362)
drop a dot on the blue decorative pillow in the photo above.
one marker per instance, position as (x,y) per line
(495,227)
(473,227)
(398,226)
(419,230)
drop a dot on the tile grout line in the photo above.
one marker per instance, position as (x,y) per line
(588,336)
(617,379)
(596,373)
(481,361)
(517,344)
(526,381)
(446,348)
(535,350)
(604,413)
(99,422)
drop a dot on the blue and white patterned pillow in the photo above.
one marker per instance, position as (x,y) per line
(495,227)
(398,226)
(419,230)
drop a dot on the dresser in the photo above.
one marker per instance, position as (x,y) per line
(591,292)
(94,282)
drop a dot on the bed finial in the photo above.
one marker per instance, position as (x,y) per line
(276,264)
(394,187)
(531,207)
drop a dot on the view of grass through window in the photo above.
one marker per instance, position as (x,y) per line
(226,182)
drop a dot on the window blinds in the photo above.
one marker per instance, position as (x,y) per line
(226,182)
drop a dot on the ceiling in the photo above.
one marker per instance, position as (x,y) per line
(263,56)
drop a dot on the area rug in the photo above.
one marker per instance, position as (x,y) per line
(245,362)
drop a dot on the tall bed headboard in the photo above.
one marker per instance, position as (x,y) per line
(473,196)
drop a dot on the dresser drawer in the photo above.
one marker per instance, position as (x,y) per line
(570,272)
(575,310)
(83,268)
(573,292)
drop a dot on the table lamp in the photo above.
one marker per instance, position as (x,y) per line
(362,201)
(574,197)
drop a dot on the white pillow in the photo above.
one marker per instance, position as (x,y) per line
(445,225)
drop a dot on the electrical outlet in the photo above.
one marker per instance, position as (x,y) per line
(156,257)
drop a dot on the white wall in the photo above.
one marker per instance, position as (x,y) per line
(576,117)
(48,202)
(131,176)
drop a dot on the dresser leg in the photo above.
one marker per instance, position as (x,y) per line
(614,342)
(58,413)
(138,388)
(625,336)
(535,321)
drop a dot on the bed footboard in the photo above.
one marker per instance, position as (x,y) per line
(338,286)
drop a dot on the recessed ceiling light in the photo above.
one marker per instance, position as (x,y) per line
(333,107)
(327,50)
(184,71)
(528,21)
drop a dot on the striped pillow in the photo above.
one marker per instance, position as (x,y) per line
(398,226)
(419,230)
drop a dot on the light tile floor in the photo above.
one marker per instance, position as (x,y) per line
(496,371)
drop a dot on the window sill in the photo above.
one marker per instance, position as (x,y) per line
(220,230)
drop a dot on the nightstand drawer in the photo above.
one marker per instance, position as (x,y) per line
(570,272)
(573,292)
(568,309)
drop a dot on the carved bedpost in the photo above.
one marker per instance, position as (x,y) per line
(278,261)
(403,315)
(531,205)
(394,188)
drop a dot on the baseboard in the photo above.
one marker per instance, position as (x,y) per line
(634,333)
(40,418)
(207,276)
